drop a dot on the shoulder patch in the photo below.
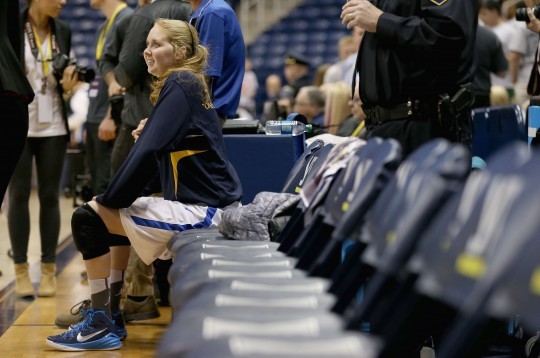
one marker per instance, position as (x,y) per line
(438,2)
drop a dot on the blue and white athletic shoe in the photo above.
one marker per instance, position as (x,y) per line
(119,324)
(96,333)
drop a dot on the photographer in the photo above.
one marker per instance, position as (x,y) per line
(533,24)
(44,39)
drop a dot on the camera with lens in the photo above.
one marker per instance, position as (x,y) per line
(521,13)
(117,104)
(84,74)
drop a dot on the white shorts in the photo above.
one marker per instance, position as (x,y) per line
(150,222)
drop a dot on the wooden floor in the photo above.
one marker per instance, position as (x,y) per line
(26,336)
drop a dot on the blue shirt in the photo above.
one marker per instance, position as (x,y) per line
(219,30)
(182,144)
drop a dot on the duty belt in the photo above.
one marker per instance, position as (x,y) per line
(377,115)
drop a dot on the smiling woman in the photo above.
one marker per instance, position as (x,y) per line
(181,135)
(173,46)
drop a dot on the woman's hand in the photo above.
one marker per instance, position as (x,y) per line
(137,132)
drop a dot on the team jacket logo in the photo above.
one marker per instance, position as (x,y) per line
(438,2)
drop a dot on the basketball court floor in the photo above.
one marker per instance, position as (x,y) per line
(25,324)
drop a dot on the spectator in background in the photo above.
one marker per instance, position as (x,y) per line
(355,124)
(337,107)
(250,85)
(346,48)
(15,92)
(220,32)
(490,59)
(320,73)
(296,72)
(44,38)
(310,102)
(490,14)
(522,53)
(272,86)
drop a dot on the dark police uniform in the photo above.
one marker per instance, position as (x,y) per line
(297,59)
(422,50)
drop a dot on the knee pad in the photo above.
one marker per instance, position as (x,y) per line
(118,240)
(89,232)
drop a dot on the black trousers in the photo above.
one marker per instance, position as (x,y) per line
(14,120)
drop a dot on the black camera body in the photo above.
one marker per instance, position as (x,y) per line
(521,13)
(61,61)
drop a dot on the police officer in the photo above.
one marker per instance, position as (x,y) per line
(296,70)
(414,63)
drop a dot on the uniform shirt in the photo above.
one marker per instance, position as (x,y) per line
(220,32)
(181,141)
(421,48)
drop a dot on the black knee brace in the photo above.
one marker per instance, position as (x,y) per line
(89,233)
(118,240)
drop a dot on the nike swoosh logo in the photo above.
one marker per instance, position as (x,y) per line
(81,338)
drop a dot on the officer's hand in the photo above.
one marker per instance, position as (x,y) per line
(360,13)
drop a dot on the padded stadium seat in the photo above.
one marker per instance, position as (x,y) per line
(271,322)
(534,123)
(294,26)
(301,37)
(317,37)
(366,192)
(494,127)
(323,19)
(405,208)
(455,251)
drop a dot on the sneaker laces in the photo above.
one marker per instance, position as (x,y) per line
(81,307)
(81,325)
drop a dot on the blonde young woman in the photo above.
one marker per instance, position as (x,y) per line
(182,143)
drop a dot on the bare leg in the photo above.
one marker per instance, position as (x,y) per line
(120,257)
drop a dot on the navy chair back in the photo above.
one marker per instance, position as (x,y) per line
(494,127)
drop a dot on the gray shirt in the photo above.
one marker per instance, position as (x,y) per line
(98,93)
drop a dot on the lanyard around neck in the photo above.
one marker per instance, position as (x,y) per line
(105,31)
(36,46)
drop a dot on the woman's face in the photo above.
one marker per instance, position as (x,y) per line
(159,54)
(50,8)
